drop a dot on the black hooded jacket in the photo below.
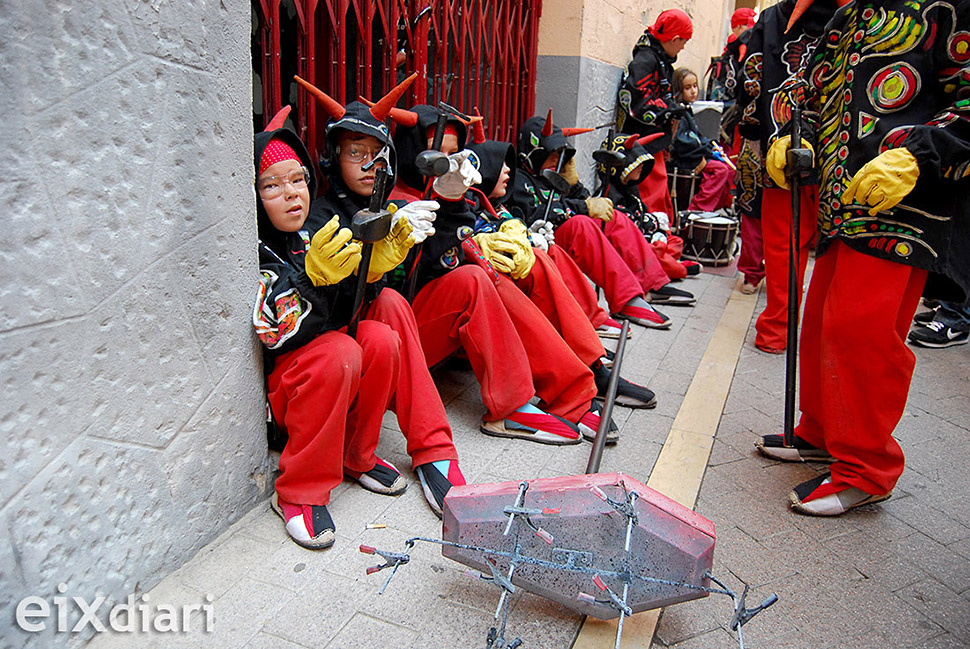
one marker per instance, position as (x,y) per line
(645,99)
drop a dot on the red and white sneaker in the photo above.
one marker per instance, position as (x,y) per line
(820,497)
(309,526)
(645,316)
(528,422)
(384,478)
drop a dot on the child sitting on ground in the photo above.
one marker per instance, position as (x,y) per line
(691,150)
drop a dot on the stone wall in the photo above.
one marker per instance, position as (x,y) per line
(131,422)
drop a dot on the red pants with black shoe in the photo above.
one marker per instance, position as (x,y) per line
(855,365)
(583,239)
(580,288)
(715,190)
(772,324)
(330,396)
(416,402)
(638,254)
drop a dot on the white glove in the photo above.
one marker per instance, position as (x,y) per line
(658,236)
(544,231)
(421,216)
(538,240)
(663,221)
(462,174)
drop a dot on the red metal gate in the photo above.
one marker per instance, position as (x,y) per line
(466,52)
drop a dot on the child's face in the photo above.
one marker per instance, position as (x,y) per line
(674,46)
(690,89)
(635,176)
(356,150)
(285,194)
(502,184)
(449,143)
(551,161)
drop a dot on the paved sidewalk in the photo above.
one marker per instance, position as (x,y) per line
(892,575)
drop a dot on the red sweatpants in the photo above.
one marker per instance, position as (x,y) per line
(330,396)
(776,218)
(463,309)
(416,401)
(585,242)
(653,189)
(545,286)
(715,190)
(751,261)
(638,254)
(855,366)
(578,285)
(668,254)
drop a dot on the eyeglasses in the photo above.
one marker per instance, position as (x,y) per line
(272,186)
(358,153)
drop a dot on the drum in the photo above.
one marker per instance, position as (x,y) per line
(710,238)
(682,185)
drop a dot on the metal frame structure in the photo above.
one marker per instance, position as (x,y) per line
(466,52)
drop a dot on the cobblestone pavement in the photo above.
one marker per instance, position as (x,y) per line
(895,574)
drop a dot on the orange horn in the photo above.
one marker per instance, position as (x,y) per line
(278,119)
(647,139)
(383,107)
(800,7)
(401,116)
(329,104)
(547,127)
(571,131)
(630,141)
(478,130)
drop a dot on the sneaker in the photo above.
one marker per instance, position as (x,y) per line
(534,425)
(671,295)
(628,394)
(750,289)
(644,316)
(611,329)
(310,526)
(590,423)
(819,497)
(436,479)
(925,317)
(693,268)
(384,478)
(773,446)
(938,334)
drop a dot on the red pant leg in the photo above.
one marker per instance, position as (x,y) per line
(715,190)
(675,246)
(310,391)
(772,324)
(865,365)
(751,261)
(653,189)
(585,242)
(462,309)
(670,264)
(416,401)
(578,285)
(635,251)
(563,382)
(547,290)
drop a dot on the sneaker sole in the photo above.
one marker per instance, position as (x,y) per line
(590,435)
(630,403)
(791,454)
(649,324)
(609,335)
(321,542)
(540,437)
(796,504)
(949,343)
(428,495)
(672,302)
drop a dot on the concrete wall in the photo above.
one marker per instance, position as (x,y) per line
(131,423)
(584,46)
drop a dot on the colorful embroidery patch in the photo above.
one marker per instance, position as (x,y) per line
(450,258)
(867,124)
(893,87)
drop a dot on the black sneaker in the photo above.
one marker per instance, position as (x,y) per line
(773,446)
(925,317)
(938,334)
(628,394)
(673,296)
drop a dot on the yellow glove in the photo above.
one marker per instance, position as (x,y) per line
(328,261)
(499,249)
(390,251)
(524,258)
(569,171)
(883,181)
(777,159)
(600,208)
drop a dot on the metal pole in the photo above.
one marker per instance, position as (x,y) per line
(791,354)
(593,466)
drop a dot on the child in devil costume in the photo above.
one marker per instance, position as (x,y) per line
(621,184)
(645,101)
(328,391)
(543,283)
(890,85)
(603,242)
(459,304)
(774,66)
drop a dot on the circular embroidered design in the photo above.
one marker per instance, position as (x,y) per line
(854,58)
(843,137)
(464,232)
(846,118)
(867,14)
(903,249)
(958,47)
(893,87)
(450,258)
(894,138)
